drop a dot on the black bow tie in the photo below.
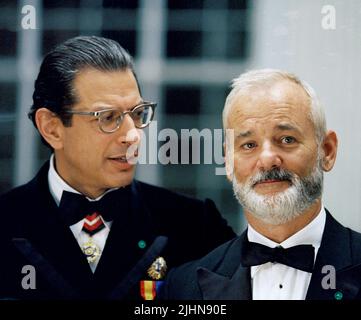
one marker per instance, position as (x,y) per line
(300,257)
(73,206)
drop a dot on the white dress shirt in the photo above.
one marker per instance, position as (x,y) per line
(57,185)
(275,281)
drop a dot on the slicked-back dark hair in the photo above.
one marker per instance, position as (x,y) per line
(54,85)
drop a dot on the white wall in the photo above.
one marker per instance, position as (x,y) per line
(288,34)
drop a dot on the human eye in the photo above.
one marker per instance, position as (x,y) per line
(108,116)
(137,113)
(288,140)
(248,145)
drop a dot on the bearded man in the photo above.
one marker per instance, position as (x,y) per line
(277,148)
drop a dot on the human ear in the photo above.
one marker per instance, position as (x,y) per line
(50,127)
(329,147)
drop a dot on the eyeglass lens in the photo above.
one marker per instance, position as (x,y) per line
(111,119)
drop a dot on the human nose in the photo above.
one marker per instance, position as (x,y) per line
(128,133)
(268,158)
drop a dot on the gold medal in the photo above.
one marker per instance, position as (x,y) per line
(157,269)
(91,251)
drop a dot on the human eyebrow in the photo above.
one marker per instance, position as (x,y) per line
(104,107)
(137,104)
(287,127)
(244,134)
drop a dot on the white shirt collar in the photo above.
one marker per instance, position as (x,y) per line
(57,185)
(310,234)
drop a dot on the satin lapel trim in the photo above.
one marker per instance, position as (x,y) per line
(218,287)
(42,266)
(48,233)
(135,275)
(230,281)
(335,252)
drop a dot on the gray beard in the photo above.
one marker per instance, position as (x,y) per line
(284,206)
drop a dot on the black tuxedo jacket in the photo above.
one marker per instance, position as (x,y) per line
(175,227)
(221,276)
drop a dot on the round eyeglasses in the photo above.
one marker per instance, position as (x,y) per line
(109,120)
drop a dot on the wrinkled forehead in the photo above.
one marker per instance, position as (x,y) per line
(284,100)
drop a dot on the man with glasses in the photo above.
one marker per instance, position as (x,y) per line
(83,228)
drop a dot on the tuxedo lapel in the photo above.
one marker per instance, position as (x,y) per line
(230,280)
(42,266)
(334,252)
(215,286)
(58,245)
(50,237)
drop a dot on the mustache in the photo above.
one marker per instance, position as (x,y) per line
(273,174)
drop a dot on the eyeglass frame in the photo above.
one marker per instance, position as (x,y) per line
(97,114)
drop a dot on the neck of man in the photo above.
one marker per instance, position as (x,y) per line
(91,192)
(279,233)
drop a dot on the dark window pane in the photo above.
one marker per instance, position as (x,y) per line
(214,98)
(184,20)
(218,4)
(6,155)
(237,4)
(8,97)
(184,44)
(61,3)
(9,4)
(238,21)
(185,4)
(52,38)
(237,45)
(215,45)
(182,99)
(119,20)
(6,146)
(127,39)
(124,4)
(7,42)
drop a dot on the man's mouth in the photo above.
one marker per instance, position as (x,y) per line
(124,158)
(269,181)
